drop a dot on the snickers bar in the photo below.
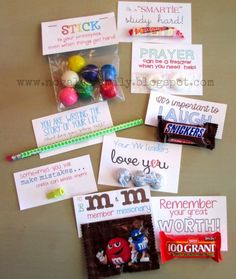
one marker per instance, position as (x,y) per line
(198,135)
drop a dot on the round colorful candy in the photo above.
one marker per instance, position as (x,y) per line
(108,72)
(76,63)
(68,96)
(108,89)
(69,78)
(85,89)
(90,73)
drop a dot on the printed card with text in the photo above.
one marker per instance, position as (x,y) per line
(37,186)
(185,110)
(158,21)
(134,163)
(78,33)
(111,205)
(190,215)
(174,69)
(72,123)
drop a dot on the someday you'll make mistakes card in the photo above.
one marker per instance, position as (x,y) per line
(134,163)
(40,186)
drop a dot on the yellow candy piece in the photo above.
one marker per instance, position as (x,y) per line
(57,193)
(76,63)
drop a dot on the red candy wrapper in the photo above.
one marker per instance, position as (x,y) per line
(190,246)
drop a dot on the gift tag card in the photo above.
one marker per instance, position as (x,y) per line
(72,123)
(131,162)
(190,215)
(174,69)
(111,205)
(185,110)
(55,182)
(78,33)
(138,15)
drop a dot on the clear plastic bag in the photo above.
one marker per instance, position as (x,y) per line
(78,86)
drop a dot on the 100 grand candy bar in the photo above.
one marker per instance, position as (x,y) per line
(190,246)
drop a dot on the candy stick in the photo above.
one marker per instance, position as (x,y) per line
(162,31)
(75,140)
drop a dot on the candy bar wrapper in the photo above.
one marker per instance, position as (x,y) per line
(190,246)
(162,31)
(189,134)
(121,245)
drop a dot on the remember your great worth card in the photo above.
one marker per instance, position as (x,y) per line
(185,110)
(71,123)
(174,69)
(154,14)
(140,155)
(191,215)
(75,176)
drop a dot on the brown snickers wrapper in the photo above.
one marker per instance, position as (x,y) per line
(197,135)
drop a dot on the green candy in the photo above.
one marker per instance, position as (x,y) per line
(84,89)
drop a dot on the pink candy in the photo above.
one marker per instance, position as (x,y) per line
(68,96)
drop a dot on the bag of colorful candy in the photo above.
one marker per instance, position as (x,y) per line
(83,59)
(86,76)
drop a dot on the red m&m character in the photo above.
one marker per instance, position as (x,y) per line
(118,252)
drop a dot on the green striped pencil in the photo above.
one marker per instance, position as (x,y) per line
(74,140)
